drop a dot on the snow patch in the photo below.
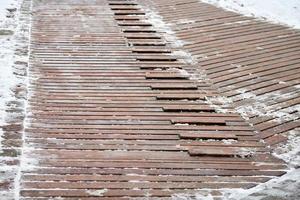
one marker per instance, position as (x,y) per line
(279,11)
(284,187)
(258,105)
(186,57)
(182,72)
(196,196)
(7,48)
(98,193)
(290,151)
(229,141)
(4,5)
(219,103)
(245,152)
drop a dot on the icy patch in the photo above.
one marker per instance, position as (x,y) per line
(98,193)
(279,11)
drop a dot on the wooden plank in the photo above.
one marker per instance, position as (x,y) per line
(194,96)
(174,86)
(207,136)
(218,151)
(111,109)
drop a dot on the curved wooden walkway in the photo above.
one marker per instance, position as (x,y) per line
(118,111)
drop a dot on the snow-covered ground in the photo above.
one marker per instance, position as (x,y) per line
(279,11)
(14,28)
(4,4)
(7,78)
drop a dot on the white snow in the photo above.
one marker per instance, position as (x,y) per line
(185,57)
(284,187)
(245,152)
(7,42)
(13,35)
(198,196)
(290,152)
(278,11)
(258,105)
(182,72)
(98,193)
(229,141)
(4,4)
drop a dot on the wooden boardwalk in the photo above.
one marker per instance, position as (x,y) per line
(254,63)
(117,111)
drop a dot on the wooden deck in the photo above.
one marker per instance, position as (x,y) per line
(117,111)
(253,63)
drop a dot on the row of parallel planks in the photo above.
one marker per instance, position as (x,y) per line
(254,63)
(114,114)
